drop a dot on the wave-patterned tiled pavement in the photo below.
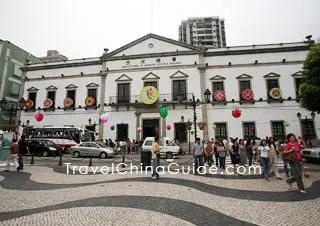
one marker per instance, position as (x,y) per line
(43,195)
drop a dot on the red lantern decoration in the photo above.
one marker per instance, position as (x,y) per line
(236,113)
(247,94)
(168,127)
(28,104)
(38,117)
(219,95)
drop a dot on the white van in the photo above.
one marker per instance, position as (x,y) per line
(168,147)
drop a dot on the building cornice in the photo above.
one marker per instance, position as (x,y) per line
(150,55)
(65,77)
(65,65)
(257,51)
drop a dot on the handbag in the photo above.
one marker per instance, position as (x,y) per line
(290,157)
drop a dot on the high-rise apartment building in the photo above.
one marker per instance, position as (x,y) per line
(203,31)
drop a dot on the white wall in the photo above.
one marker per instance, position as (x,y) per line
(258,83)
(251,58)
(93,69)
(61,92)
(164,84)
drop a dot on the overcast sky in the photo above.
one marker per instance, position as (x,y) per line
(83,28)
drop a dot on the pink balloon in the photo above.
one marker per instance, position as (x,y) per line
(139,129)
(102,120)
(38,117)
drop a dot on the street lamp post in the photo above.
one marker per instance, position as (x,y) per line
(194,105)
(306,127)
(12,107)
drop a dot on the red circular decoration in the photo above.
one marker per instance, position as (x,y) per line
(68,102)
(90,101)
(28,104)
(47,103)
(168,127)
(38,117)
(247,94)
(236,113)
(219,95)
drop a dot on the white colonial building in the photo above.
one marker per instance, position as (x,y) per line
(269,74)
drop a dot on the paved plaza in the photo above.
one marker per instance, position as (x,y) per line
(44,194)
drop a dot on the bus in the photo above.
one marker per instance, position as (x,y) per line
(65,137)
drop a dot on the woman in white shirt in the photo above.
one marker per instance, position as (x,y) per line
(263,157)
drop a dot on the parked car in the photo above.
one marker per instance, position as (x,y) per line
(94,149)
(311,154)
(43,147)
(168,147)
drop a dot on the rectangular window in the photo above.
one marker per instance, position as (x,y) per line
(272,83)
(244,85)
(180,132)
(277,128)
(154,84)
(52,95)
(124,93)
(221,131)
(33,97)
(47,133)
(93,93)
(16,71)
(15,89)
(217,86)
(179,90)
(72,95)
(308,129)
(57,133)
(249,130)
(298,82)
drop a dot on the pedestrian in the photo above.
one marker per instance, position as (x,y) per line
(249,151)
(198,154)
(303,140)
(222,152)
(234,154)
(216,154)
(13,155)
(273,158)
(208,152)
(155,156)
(285,162)
(263,157)
(243,154)
(292,153)
(22,151)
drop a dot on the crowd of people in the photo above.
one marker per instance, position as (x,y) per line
(265,152)
(133,146)
(243,152)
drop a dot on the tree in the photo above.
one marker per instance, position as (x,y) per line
(309,91)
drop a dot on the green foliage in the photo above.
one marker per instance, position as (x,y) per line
(309,91)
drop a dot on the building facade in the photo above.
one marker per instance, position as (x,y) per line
(203,31)
(261,81)
(12,58)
